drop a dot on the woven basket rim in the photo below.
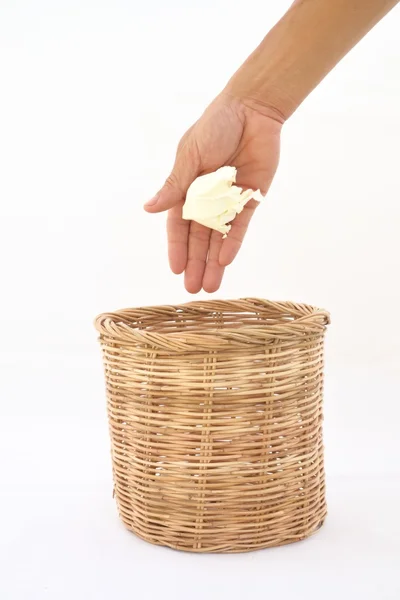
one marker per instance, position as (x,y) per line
(122,325)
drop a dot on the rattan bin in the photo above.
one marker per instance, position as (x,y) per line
(215,414)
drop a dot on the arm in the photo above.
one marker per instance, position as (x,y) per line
(242,126)
(311,38)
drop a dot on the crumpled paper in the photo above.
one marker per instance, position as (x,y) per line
(212,200)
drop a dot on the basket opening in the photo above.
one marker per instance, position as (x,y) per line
(190,319)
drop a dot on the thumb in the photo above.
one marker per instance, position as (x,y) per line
(185,171)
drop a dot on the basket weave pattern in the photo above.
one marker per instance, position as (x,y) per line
(215,414)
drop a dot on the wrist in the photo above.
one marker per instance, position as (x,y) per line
(264,81)
(267,102)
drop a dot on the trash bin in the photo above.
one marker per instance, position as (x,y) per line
(215,416)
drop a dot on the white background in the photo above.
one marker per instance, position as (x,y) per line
(94,97)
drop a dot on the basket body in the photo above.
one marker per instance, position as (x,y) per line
(215,414)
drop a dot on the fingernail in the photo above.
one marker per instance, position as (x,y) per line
(153,201)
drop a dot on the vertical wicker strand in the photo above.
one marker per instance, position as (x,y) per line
(267,429)
(321,470)
(147,438)
(205,446)
(106,371)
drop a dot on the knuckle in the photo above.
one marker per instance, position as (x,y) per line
(202,236)
(172,182)
(238,240)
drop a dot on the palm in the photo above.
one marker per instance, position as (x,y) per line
(232,134)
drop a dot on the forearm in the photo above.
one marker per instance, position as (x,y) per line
(302,48)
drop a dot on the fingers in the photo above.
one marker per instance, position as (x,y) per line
(199,239)
(178,233)
(231,245)
(185,171)
(214,271)
(204,270)
(202,253)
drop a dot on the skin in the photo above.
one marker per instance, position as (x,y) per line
(242,126)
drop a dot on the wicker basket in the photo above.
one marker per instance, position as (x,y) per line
(215,413)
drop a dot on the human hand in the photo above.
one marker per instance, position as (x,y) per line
(230,132)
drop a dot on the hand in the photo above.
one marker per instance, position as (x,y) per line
(230,132)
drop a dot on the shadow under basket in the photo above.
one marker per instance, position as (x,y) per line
(215,414)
